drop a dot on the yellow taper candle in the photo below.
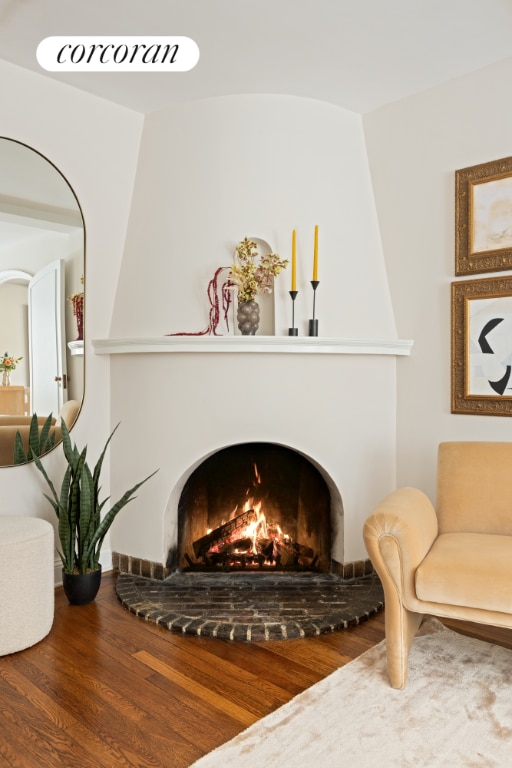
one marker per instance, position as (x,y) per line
(315,256)
(294,260)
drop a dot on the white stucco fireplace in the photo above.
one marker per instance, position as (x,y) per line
(181,399)
(210,173)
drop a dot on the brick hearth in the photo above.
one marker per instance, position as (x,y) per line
(254,607)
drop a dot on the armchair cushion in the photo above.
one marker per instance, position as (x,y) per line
(472,570)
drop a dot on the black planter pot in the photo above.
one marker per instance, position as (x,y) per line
(81,588)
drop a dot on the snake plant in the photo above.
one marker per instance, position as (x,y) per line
(39,442)
(82,526)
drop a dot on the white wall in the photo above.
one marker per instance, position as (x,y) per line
(414,147)
(95,145)
(210,173)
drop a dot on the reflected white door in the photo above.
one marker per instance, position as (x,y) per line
(47,339)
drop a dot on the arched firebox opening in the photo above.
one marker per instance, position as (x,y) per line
(254,506)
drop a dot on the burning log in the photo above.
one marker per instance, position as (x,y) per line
(240,546)
(223,532)
(248,540)
(303,552)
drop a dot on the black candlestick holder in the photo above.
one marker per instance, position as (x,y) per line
(293,331)
(313,323)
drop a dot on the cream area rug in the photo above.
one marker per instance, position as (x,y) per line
(456,710)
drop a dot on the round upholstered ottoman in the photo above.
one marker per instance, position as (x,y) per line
(26,582)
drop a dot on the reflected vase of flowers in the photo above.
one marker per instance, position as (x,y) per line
(8,363)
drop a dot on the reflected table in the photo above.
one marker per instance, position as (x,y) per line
(12,401)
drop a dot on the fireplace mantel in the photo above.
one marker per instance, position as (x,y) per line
(252,344)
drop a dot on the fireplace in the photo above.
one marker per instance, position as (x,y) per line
(254,507)
(329,405)
(333,408)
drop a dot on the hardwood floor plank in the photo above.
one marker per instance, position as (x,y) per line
(84,743)
(112,707)
(264,663)
(238,713)
(180,711)
(217,672)
(497,635)
(106,689)
(202,724)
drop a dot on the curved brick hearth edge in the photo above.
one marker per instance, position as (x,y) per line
(254,607)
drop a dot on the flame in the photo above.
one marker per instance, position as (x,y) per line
(266,539)
(257,531)
(258,528)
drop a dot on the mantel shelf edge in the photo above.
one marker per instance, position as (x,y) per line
(251,344)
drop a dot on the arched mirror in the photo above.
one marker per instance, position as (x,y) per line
(42,264)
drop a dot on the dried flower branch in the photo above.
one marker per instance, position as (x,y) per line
(250,276)
(216,296)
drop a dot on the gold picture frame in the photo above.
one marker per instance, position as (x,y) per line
(482,346)
(483,218)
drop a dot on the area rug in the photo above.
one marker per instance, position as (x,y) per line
(456,710)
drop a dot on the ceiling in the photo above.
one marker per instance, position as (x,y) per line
(358,54)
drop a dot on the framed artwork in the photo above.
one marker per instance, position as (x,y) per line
(483,218)
(482,346)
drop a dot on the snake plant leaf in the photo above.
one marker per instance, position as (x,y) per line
(109,518)
(66,529)
(99,463)
(70,452)
(20,456)
(46,440)
(86,517)
(33,436)
(39,442)
(43,471)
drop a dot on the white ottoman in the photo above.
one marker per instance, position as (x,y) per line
(27,590)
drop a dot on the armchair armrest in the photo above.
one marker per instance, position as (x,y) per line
(398,535)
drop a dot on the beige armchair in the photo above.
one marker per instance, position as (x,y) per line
(452,561)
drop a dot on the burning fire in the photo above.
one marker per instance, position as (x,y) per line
(256,536)
(248,539)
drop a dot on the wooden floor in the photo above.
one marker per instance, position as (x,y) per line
(107,690)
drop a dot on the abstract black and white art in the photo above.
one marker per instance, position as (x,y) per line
(482,346)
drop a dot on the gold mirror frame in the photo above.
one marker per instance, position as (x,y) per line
(39,208)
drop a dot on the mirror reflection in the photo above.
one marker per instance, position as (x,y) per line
(42,253)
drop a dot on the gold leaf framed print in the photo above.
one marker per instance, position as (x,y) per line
(483,218)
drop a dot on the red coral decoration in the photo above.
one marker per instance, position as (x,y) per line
(77,300)
(216,297)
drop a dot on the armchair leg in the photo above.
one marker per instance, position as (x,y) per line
(401,628)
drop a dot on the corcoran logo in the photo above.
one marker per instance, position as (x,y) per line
(117,54)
